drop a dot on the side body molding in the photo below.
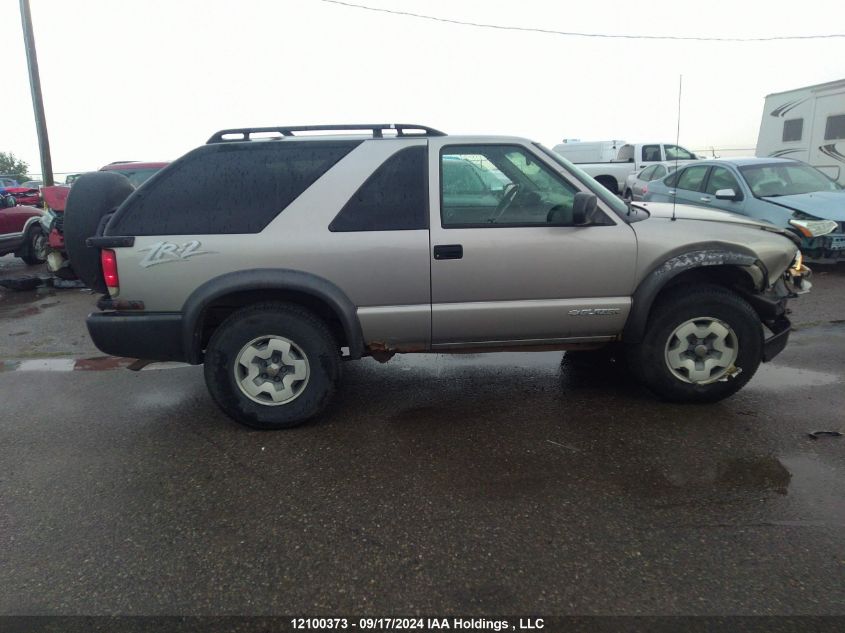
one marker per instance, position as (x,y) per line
(657,279)
(267,279)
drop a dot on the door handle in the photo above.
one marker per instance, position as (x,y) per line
(706,199)
(449,251)
(672,192)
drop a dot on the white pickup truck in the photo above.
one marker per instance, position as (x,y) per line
(630,158)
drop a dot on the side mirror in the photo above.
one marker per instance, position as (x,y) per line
(728,194)
(583,207)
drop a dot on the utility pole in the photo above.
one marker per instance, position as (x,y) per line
(37,101)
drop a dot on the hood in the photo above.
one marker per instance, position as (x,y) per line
(688,212)
(825,205)
(56,196)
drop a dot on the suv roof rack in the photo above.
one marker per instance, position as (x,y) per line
(377,129)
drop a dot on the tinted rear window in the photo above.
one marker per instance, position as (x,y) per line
(394,198)
(227,188)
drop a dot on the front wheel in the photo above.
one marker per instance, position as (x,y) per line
(272,365)
(701,345)
(36,247)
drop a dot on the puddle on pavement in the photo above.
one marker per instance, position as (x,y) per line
(776,377)
(14,305)
(738,473)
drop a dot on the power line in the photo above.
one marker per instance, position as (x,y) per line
(527,29)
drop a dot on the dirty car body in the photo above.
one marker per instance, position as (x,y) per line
(19,227)
(363,242)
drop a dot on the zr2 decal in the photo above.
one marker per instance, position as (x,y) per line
(164,252)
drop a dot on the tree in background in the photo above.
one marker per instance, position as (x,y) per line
(11,166)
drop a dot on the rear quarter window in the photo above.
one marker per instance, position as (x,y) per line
(227,188)
(394,197)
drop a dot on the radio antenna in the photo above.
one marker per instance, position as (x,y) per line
(677,143)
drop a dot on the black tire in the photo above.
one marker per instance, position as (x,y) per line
(36,247)
(302,328)
(629,195)
(648,359)
(92,196)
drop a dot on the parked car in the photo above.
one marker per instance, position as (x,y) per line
(271,261)
(631,158)
(636,185)
(20,231)
(24,195)
(56,196)
(32,184)
(8,181)
(781,191)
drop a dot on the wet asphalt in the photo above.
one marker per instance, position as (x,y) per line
(472,484)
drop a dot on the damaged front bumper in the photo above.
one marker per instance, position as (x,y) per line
(771,306)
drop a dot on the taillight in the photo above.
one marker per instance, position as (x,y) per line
(109,262)
(645,189)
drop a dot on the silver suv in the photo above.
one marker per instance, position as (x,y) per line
(273,254)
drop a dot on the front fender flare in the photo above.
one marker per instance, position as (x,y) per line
(657,279)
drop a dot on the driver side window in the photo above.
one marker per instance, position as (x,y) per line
(500,185)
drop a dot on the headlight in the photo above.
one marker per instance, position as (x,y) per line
(814,228)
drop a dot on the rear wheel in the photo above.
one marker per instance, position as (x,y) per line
(36,247)
(701,345)
(272,365)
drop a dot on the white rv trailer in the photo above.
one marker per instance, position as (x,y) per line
(807,124)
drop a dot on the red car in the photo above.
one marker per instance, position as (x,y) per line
(25,195)
(21,233)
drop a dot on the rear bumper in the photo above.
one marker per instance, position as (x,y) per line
(148,336)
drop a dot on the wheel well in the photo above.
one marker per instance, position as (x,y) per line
(220,308)
(608,182)
(730,277)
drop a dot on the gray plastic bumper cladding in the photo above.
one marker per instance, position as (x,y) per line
(148,336)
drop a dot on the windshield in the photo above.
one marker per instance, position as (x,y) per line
(785,179)
(608,198)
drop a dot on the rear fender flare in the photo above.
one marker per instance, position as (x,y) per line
(657,279)
(269,279)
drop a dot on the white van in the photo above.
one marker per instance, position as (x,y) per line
(807,124)
(589,151)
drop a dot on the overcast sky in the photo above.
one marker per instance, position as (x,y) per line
(151,79)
